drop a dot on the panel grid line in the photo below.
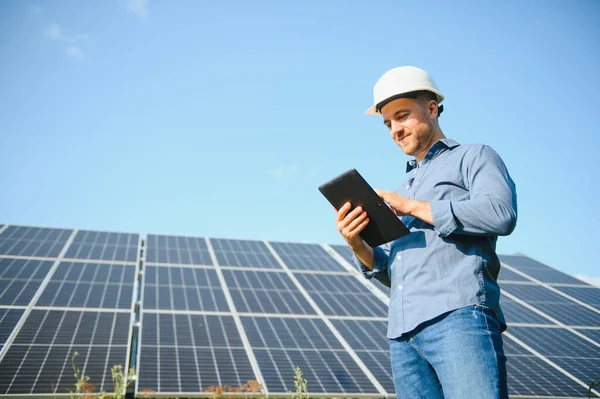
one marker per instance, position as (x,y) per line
(36,296)
(253,362)
(548,361)
(527,305)
(551,288)
(329,324)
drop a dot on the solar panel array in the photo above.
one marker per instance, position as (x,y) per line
(194,313)
(66,297)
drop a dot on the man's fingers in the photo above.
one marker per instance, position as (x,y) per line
(341,214)
(360,227)
(352,225)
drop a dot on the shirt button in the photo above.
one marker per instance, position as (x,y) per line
(400,286)
(398,256)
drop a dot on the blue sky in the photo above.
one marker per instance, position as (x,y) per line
(220,119)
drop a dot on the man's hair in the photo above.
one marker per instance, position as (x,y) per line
(419,94)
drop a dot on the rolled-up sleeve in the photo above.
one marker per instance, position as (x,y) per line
(492,205)
(380,265)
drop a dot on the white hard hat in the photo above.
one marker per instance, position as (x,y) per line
(399,81)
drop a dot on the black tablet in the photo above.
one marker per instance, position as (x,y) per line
(384,226)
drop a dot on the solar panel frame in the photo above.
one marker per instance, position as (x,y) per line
(9,319)
(226,342)
(259,292)
(359,334)
(40,242)
(44,332)
(569,351)
(107,246)
(285,347)
(177,250)
(90,285)
(345,252)
(342,295)
(554,305)
(20,279)
(298,256)
(195,297)
(538,271)
(243,253)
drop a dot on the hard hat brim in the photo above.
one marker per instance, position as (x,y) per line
(372,110)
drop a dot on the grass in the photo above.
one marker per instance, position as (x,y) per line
(85,389)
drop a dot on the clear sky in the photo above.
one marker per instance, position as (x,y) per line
(220,119)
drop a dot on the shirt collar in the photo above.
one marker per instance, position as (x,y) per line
(436,148)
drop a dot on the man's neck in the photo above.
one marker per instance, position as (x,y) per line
(438,135)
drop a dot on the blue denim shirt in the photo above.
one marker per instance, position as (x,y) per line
(452,264)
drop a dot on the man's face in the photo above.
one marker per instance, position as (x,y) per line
(410,122)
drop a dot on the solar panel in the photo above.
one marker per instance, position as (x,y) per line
(593,334)
(554,305)
(306,257)
(40,358)
(265,292)
(517,313)
(589,295)
(346,253)
(282,344)
(104,246)
(177,250)
(183,288)
(576,355)
(188,353)
(8,321)
(508,275)
(530,375)
(90,285)
(342,295)
(538,270)
(33,241)
(367,339)
(20,279)
(243,253)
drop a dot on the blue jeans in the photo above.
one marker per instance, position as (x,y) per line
(457,355)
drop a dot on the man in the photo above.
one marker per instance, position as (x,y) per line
(445,322)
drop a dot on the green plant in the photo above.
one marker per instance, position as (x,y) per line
(301,385)
(595,384)
(82,385)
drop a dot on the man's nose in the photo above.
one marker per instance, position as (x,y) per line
(396,128)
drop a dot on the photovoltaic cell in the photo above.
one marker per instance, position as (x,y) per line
(280,345)
(96,245)
(183,288)
(531,376)
(90,285)
(576,355)
(346,253)
(33,241)
(8,321)
(243,253)
(342,295)
(538,270)
(554,305)
(368,339)
(177,250)
(265,292)
(589,295)
(517,313)
(190,353)
(593,334)
(306,257)
(20,279)
(508,275)
(40,358)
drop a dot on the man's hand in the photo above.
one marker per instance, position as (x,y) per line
(403,206)
(351,224)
